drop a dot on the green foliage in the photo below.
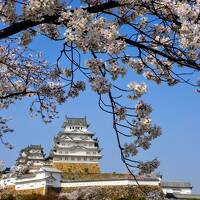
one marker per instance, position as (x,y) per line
(8,197)
(28,197)
(192,199)
(48,196)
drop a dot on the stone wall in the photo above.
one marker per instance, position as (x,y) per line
(91,168)
(40,191)
(10,189)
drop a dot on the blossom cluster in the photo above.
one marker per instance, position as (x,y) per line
(120,113)
(143,130)
(149,166)
(31,76)
(136,64)
(26,38)
(100,85)
(76,88)
(37,9)
(138,89)
(91,33)
(50,30)
(4,129)
(130,150)
(8,11)
(18,170)
(95,65)
(115,70)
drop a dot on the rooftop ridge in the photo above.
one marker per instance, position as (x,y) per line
(175,184)
(72,121)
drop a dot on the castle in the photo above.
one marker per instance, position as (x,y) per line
(76,151)
(32,154)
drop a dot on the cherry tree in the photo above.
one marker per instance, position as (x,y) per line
(158,40)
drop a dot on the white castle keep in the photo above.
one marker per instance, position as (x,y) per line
(75,149)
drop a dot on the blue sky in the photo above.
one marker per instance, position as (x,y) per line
(175,109)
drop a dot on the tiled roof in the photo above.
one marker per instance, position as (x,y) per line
(166,184)
(111,176)
(183,196)
(109,179)
(26,176)
(32,146)
(75,121)
(35,146)
(49,169)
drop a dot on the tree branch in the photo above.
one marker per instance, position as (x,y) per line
(25,24)
(181,61)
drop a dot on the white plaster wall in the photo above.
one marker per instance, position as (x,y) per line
(67,128)
(77,152)
(39,176)
(7,182)
(30,185)
(178,191)
(53,179)
(71,143)
(40,180)
(108,183)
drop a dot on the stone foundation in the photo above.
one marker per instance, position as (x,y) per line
(10,189)
(40,191)
(88,168)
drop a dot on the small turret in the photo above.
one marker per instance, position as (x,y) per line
(31,154)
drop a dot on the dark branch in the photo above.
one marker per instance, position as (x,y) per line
(181,61)
(26,24)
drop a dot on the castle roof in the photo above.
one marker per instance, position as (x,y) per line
(49,169)
(33,146)
(57,137)
(75,122)
(182,196)
(176,185)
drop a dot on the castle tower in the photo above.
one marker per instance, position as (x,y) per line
(32,154)
(75,150)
